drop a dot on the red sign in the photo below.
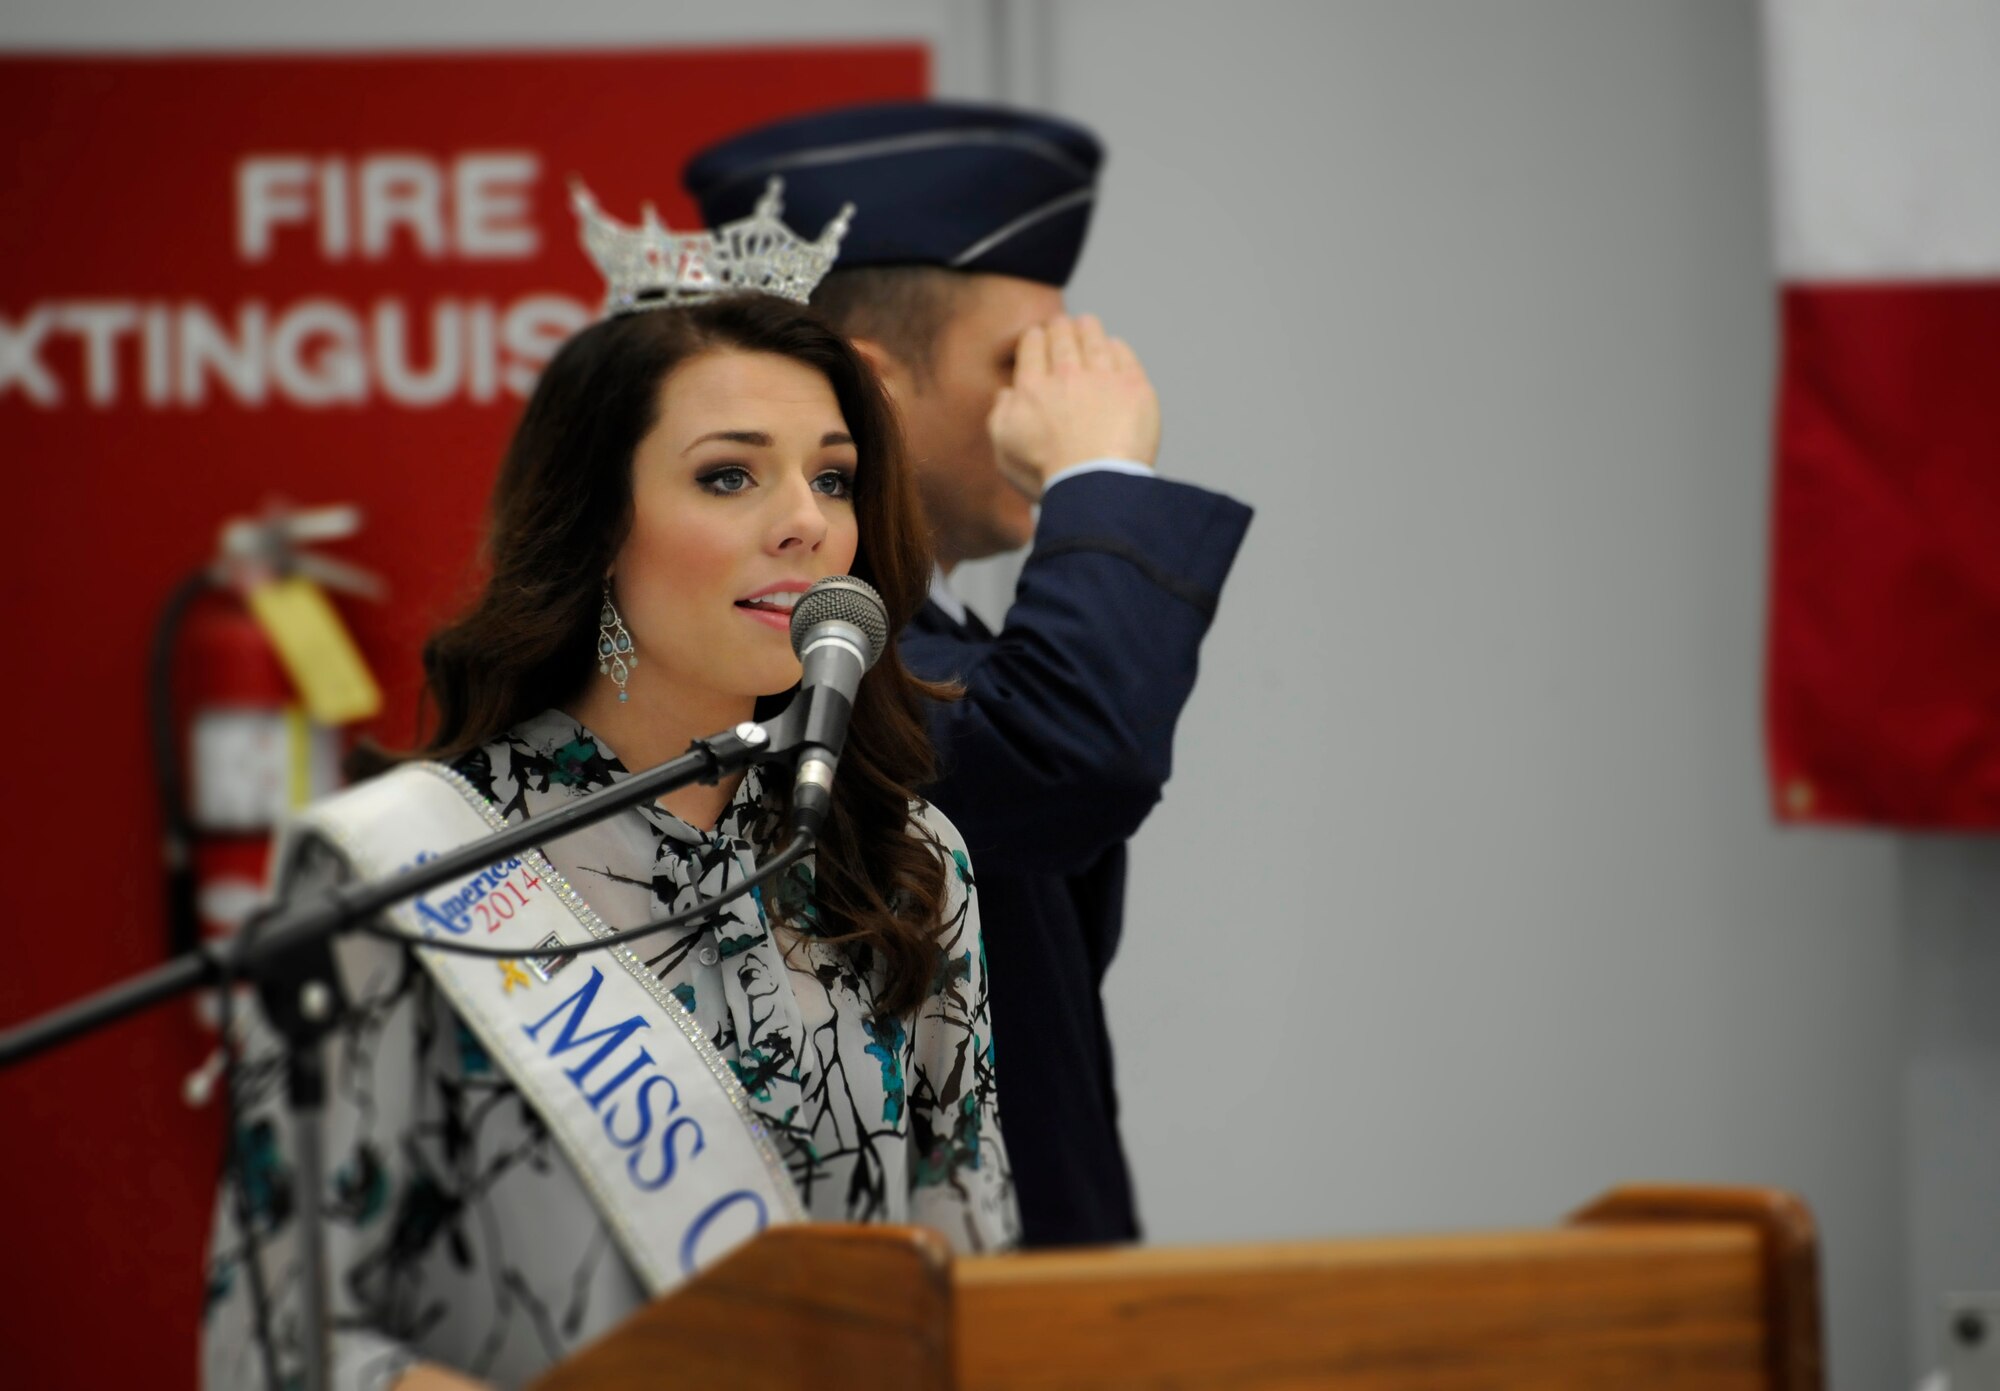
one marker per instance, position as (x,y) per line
(227,281)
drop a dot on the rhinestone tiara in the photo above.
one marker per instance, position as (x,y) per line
(649,267)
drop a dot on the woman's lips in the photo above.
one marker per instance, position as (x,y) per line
(773,604)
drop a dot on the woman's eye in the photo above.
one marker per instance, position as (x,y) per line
(834,483)
(730,479)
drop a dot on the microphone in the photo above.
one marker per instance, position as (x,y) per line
(839,628)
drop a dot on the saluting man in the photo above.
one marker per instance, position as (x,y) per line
(969,220)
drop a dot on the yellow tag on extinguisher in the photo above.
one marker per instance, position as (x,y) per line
(316,649)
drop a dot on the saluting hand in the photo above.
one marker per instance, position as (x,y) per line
(1077,395)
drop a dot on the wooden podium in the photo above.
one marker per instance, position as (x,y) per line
(1646,1289)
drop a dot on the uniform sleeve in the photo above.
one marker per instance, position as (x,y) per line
(960,1181)
(1064,739)
(372,1102)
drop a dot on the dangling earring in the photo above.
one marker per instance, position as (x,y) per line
(615,657)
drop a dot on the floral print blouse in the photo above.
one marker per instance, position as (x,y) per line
(457,1232)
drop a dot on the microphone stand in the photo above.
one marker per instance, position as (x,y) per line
(285,951)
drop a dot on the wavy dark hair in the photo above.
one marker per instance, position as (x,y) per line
(561,509)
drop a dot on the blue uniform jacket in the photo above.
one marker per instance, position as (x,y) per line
(1057,752)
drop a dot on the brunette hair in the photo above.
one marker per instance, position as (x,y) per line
(561,509)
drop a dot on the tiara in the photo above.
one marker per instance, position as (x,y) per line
(649,267)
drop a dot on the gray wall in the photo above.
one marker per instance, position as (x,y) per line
(1950,901)
(1463,903)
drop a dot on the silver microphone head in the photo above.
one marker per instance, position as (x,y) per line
(842,599)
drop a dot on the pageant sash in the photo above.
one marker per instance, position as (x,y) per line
(647,1111)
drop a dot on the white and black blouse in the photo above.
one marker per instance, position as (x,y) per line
(457,1231)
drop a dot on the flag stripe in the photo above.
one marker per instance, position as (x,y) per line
(1883,701)
(1885,129)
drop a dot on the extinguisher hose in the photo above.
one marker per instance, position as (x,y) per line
(169,776)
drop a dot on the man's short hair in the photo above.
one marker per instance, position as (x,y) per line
(903,308)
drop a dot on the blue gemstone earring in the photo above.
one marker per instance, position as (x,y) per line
(615,657)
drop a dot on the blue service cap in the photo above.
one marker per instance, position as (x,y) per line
(975,188)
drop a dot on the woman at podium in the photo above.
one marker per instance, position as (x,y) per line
(518,1151)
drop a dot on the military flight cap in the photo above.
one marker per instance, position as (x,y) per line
(971,187)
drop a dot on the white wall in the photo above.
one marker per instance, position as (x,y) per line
(1463,904)
(959,29)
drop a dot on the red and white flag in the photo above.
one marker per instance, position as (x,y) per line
(1883,697)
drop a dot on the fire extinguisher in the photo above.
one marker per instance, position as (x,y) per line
(236,744)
